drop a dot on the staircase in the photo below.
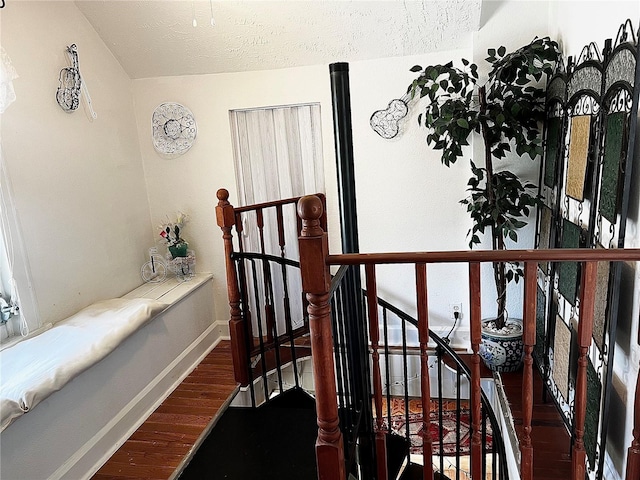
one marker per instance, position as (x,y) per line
(273,325)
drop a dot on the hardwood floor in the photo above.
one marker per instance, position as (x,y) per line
(550,439)
(167,437)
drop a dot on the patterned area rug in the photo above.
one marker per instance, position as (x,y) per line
(450,434)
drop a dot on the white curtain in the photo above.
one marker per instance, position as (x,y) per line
(278,154)
(14,267)
(7,76)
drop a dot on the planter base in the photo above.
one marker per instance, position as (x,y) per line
(502,351)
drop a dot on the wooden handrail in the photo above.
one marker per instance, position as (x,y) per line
(274,203)
(466,256)
(315,261)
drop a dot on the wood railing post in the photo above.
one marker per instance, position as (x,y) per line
(316,281)
(585,331)
(425,387)
(529,340)
(374,335)
(633,454)
(476,339)
(225,217)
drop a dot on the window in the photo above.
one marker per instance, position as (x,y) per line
(18,315)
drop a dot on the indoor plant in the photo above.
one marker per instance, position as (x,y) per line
(171,234)
(507,111)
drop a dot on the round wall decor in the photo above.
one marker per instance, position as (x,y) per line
(173,129)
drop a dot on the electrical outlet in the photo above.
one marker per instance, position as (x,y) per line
(453,308)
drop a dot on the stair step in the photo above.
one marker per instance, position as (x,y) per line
(414,472)
(292,398)
(397,448)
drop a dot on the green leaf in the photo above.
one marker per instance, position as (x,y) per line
(502,51)
(416,68)
(462,123)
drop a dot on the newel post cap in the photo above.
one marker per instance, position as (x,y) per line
(313,246)
(310,210)
(225,215)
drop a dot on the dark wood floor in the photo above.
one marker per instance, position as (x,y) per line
(550,439)
(159,446)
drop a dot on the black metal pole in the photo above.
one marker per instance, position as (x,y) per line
(358,347)
(341,100)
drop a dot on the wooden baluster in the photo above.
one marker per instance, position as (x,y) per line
(633,454)
(585,331)
(225,217)
(374,335)
(316,281)
(423,337)
(476,339)
(529,340)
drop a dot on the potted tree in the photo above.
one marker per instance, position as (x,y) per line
(507,111)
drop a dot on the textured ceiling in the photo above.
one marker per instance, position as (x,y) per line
(157,38)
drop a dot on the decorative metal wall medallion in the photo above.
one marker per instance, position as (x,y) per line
(173,129)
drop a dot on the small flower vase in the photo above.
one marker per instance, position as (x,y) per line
(178,250)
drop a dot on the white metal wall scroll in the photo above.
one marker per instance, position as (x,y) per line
(173,129)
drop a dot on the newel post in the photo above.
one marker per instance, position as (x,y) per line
(316,282)
(225,217)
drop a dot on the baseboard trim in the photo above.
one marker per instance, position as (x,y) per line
(88,459)
(223,329)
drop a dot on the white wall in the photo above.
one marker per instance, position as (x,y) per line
(407,200)
(189,182)
(78,185)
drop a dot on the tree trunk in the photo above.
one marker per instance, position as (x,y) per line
(497,240)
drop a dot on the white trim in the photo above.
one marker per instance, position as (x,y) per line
(88,459)
(223,329)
